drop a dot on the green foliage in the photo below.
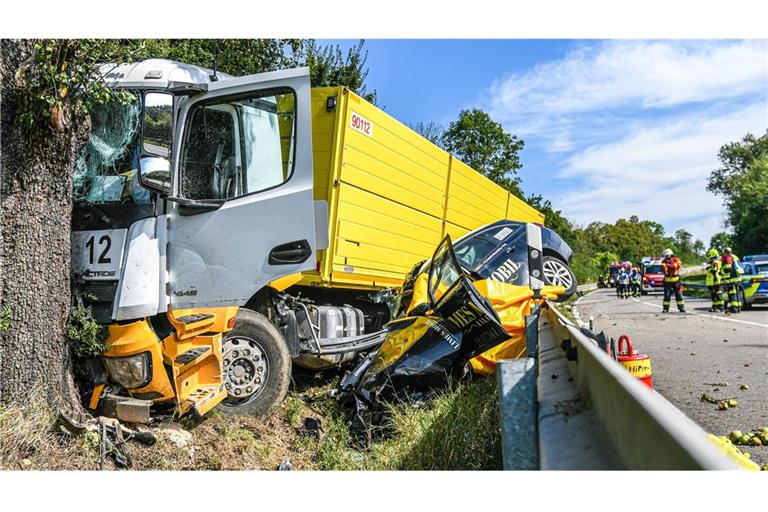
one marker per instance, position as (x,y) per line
(553,219)
(5,317)
(330,67)
(431,131)
(720,241)
(482,143)
(86,336)
(598,244)
(742,181)
(58,83)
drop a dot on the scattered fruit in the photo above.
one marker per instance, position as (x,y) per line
(735,436)
(733,403)
(723,406)
(744,440)
(744,386)
(755,441)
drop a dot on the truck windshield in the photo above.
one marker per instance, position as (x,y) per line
(652,269)
(106,170)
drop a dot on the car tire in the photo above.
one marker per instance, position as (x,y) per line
(743,299)
(257,366)
(558,273)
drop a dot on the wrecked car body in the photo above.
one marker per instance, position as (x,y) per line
(455,322)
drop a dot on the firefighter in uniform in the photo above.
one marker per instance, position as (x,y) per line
(732,272)
(671,266)
(622,284)
(714,278)
(635,277)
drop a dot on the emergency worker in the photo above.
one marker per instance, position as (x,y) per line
(634,281)
(622,284)
(714,280)
(671,266)
(732,272)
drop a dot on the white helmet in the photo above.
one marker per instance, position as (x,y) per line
(667,252)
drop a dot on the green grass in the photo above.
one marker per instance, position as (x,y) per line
(457,430)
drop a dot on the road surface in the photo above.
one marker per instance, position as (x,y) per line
(691,353)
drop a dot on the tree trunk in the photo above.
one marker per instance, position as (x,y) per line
(35,210)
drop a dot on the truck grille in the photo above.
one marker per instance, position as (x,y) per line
(100,296)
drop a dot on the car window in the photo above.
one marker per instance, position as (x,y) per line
(444,272)
(761,268)
(472,252)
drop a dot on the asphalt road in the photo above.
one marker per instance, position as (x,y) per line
(692,352)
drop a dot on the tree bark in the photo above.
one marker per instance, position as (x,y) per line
(36,168)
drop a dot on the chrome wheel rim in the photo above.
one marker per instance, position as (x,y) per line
(246,369)
(557,274)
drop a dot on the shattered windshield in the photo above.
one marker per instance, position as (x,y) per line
(106,170)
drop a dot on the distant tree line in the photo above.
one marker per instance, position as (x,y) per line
(484,145)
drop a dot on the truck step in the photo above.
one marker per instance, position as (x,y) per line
(194,318)
(204,398)
(190,355)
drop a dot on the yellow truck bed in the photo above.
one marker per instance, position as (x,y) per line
(392,194)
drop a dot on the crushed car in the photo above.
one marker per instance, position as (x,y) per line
(456,317)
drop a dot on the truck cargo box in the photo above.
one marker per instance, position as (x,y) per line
(392,194)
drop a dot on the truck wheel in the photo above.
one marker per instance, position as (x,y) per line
(558,273)
(257,366)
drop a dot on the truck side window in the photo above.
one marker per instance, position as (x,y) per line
(238,146)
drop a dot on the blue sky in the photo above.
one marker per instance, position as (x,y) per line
(611,128)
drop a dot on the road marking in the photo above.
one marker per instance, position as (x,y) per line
(708,316)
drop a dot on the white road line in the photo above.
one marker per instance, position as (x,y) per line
(708,316)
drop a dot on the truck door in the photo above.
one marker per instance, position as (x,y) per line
(241,212)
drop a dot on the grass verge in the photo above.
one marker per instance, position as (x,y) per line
(457,429)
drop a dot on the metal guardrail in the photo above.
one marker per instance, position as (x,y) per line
(645,431)
(586,287)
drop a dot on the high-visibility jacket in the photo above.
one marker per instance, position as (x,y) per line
(634,277)
(732,270)
(671,267)
(714,272)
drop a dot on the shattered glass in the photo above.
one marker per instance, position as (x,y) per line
(107,169)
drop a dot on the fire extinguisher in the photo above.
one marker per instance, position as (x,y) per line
(638,365)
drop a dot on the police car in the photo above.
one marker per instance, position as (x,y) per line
(754,281)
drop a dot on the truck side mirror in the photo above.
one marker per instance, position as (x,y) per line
(155,174)
(157,124)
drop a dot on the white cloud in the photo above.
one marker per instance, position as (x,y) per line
(636,125)
(640,73)
(658,171)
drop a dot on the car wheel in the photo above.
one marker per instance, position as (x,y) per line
(743,299)
(257,366)
(558,273)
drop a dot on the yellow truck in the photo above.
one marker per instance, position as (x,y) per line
(227,228)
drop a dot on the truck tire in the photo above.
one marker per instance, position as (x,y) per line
(257,366)
(558,273)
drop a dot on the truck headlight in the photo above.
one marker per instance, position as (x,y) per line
(131,372)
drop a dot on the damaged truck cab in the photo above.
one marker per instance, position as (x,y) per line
(194,193)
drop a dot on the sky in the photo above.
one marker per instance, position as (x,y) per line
(611,128)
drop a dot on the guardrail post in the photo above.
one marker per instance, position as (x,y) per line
(532,331)
(519,413)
